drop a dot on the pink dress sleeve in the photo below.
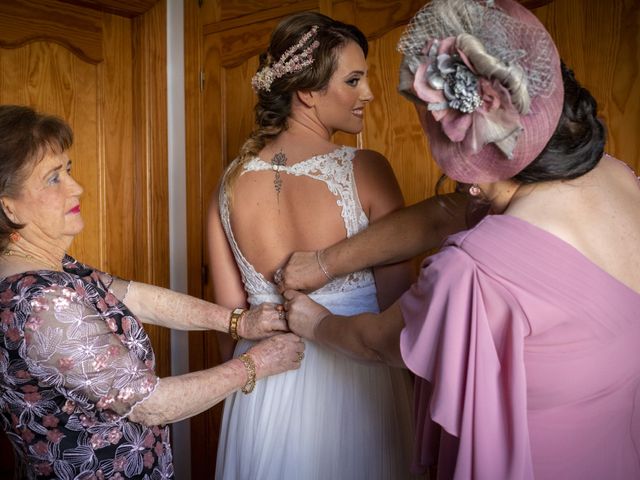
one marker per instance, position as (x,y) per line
(464,339)
(71,345)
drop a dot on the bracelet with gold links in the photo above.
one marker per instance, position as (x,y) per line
(233,322)
(250,365)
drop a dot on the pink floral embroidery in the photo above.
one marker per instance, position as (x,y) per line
(6,296)
(149,440)
(32,398)
(101,362)
(148,459)
(159,448)
(55,436)
(65,364)
(126,324)
(119,464)
(81,322)
(114,435)
(80,290)
(110,299)
(6,317)
(27,281)
(13,334)
(125,394)
(86,421)
(112,324)
(105,402)
(43,468)
(41,448)
(97,442)
(33,323)
(27,435)
(69,407)
(102,305)
(50,421)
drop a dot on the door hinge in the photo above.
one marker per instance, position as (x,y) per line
(202,77)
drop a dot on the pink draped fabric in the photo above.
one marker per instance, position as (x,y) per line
(527,355)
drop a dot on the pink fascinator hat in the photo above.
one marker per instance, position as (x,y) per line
(485,76)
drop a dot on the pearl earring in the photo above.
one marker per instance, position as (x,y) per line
(474,190)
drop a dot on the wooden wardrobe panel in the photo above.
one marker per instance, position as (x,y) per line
(53,79)
(239,101)
(78,29)
(391,124)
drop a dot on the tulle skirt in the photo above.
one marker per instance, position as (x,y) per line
(334,418)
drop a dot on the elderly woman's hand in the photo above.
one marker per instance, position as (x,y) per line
(264,321)
(301,272)
(303,314)
(277,354)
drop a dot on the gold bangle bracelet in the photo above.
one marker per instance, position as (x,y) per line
(250,365)
(233,323)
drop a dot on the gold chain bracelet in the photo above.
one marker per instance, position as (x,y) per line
(233,322)
(250,365)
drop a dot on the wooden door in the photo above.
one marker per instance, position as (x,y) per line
(105,74)
(224,39)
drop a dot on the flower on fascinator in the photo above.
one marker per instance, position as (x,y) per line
(472,110)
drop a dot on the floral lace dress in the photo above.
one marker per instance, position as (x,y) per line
(333,418)
(74,361)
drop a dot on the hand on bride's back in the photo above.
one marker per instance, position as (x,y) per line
(301,272)
(277,354)
(303,314)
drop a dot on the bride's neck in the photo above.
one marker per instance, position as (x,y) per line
(304,123)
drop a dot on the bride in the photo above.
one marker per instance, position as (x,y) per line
(292,188)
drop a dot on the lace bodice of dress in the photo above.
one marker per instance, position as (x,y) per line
(335,169)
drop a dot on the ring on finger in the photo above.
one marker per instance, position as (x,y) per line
(282,315)
(300,356)
(277,277)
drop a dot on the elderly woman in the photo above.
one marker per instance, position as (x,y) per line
(523,331)
(79,396)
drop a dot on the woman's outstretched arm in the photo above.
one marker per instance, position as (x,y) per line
(399,236)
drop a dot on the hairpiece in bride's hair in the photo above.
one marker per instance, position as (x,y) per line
(489,76)
(289,62)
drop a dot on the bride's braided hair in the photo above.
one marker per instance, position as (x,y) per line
(274,106)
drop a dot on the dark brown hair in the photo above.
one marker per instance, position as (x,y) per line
(577,145)
(26,136)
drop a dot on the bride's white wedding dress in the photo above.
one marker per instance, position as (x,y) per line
(334,418)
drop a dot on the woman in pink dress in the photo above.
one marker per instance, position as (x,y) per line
(523,331)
